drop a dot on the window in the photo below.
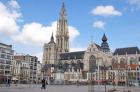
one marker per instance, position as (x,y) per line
(3,56)
(8,62)
(1,66)
(92,63)
(7,67)
(7,72)
(132,61)
(2,61)
(8,57)
(122,61)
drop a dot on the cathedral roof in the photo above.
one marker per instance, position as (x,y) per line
(127,50)
(98,46)
(72,55)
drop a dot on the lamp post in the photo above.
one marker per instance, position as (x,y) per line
(105,76)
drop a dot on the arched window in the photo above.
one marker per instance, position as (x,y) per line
(92,63)
(72,63)
(132,61)
(122,61)
(60,65)
(113,61)
(66,66)
(78,63)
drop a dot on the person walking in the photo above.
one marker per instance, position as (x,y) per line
(8,82)
(43,83)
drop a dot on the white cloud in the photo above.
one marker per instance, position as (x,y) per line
(32,33)
(77,49)
(134,2)
(99,24)
(13,4)
(37,34)
(8,19)
(106,11)
(73,33)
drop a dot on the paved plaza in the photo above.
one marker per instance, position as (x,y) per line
(61,88)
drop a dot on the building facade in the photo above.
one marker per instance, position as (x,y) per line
(125,63)
(6,59)
(96,63)
(21,70)
(29,68)
(61,64)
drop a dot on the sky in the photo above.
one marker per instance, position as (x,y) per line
(28,24)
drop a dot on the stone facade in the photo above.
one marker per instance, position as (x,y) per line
(95,63)
(28,68)
(73,66)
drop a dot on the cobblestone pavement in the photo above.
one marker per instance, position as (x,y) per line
(62,88)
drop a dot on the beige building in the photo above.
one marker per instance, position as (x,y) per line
(29,68)
(95,63)
(125,64)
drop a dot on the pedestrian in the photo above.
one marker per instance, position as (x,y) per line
(43,83)
(8,82)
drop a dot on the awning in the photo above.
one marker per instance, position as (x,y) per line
(14,78)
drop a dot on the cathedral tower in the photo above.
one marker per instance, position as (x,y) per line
(62,35)
(104,45)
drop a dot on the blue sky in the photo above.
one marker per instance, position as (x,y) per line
(27,24)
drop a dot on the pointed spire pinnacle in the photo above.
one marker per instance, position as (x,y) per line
(63,10)
(63,5)
(52,38)
(104,38)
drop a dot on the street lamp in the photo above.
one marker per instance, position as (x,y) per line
(105,76)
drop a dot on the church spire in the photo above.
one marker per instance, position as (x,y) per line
(62,34)
(52,38)
(104,38)
(104,45)
(63,11)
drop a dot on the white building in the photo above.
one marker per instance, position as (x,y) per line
(6,59)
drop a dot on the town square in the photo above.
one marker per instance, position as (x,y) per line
(69,46)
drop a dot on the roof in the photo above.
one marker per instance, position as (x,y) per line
(72,55)
(5,44)
(127,50)
(98,46)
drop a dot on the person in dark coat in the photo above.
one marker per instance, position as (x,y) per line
(8,82)
(43,84)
